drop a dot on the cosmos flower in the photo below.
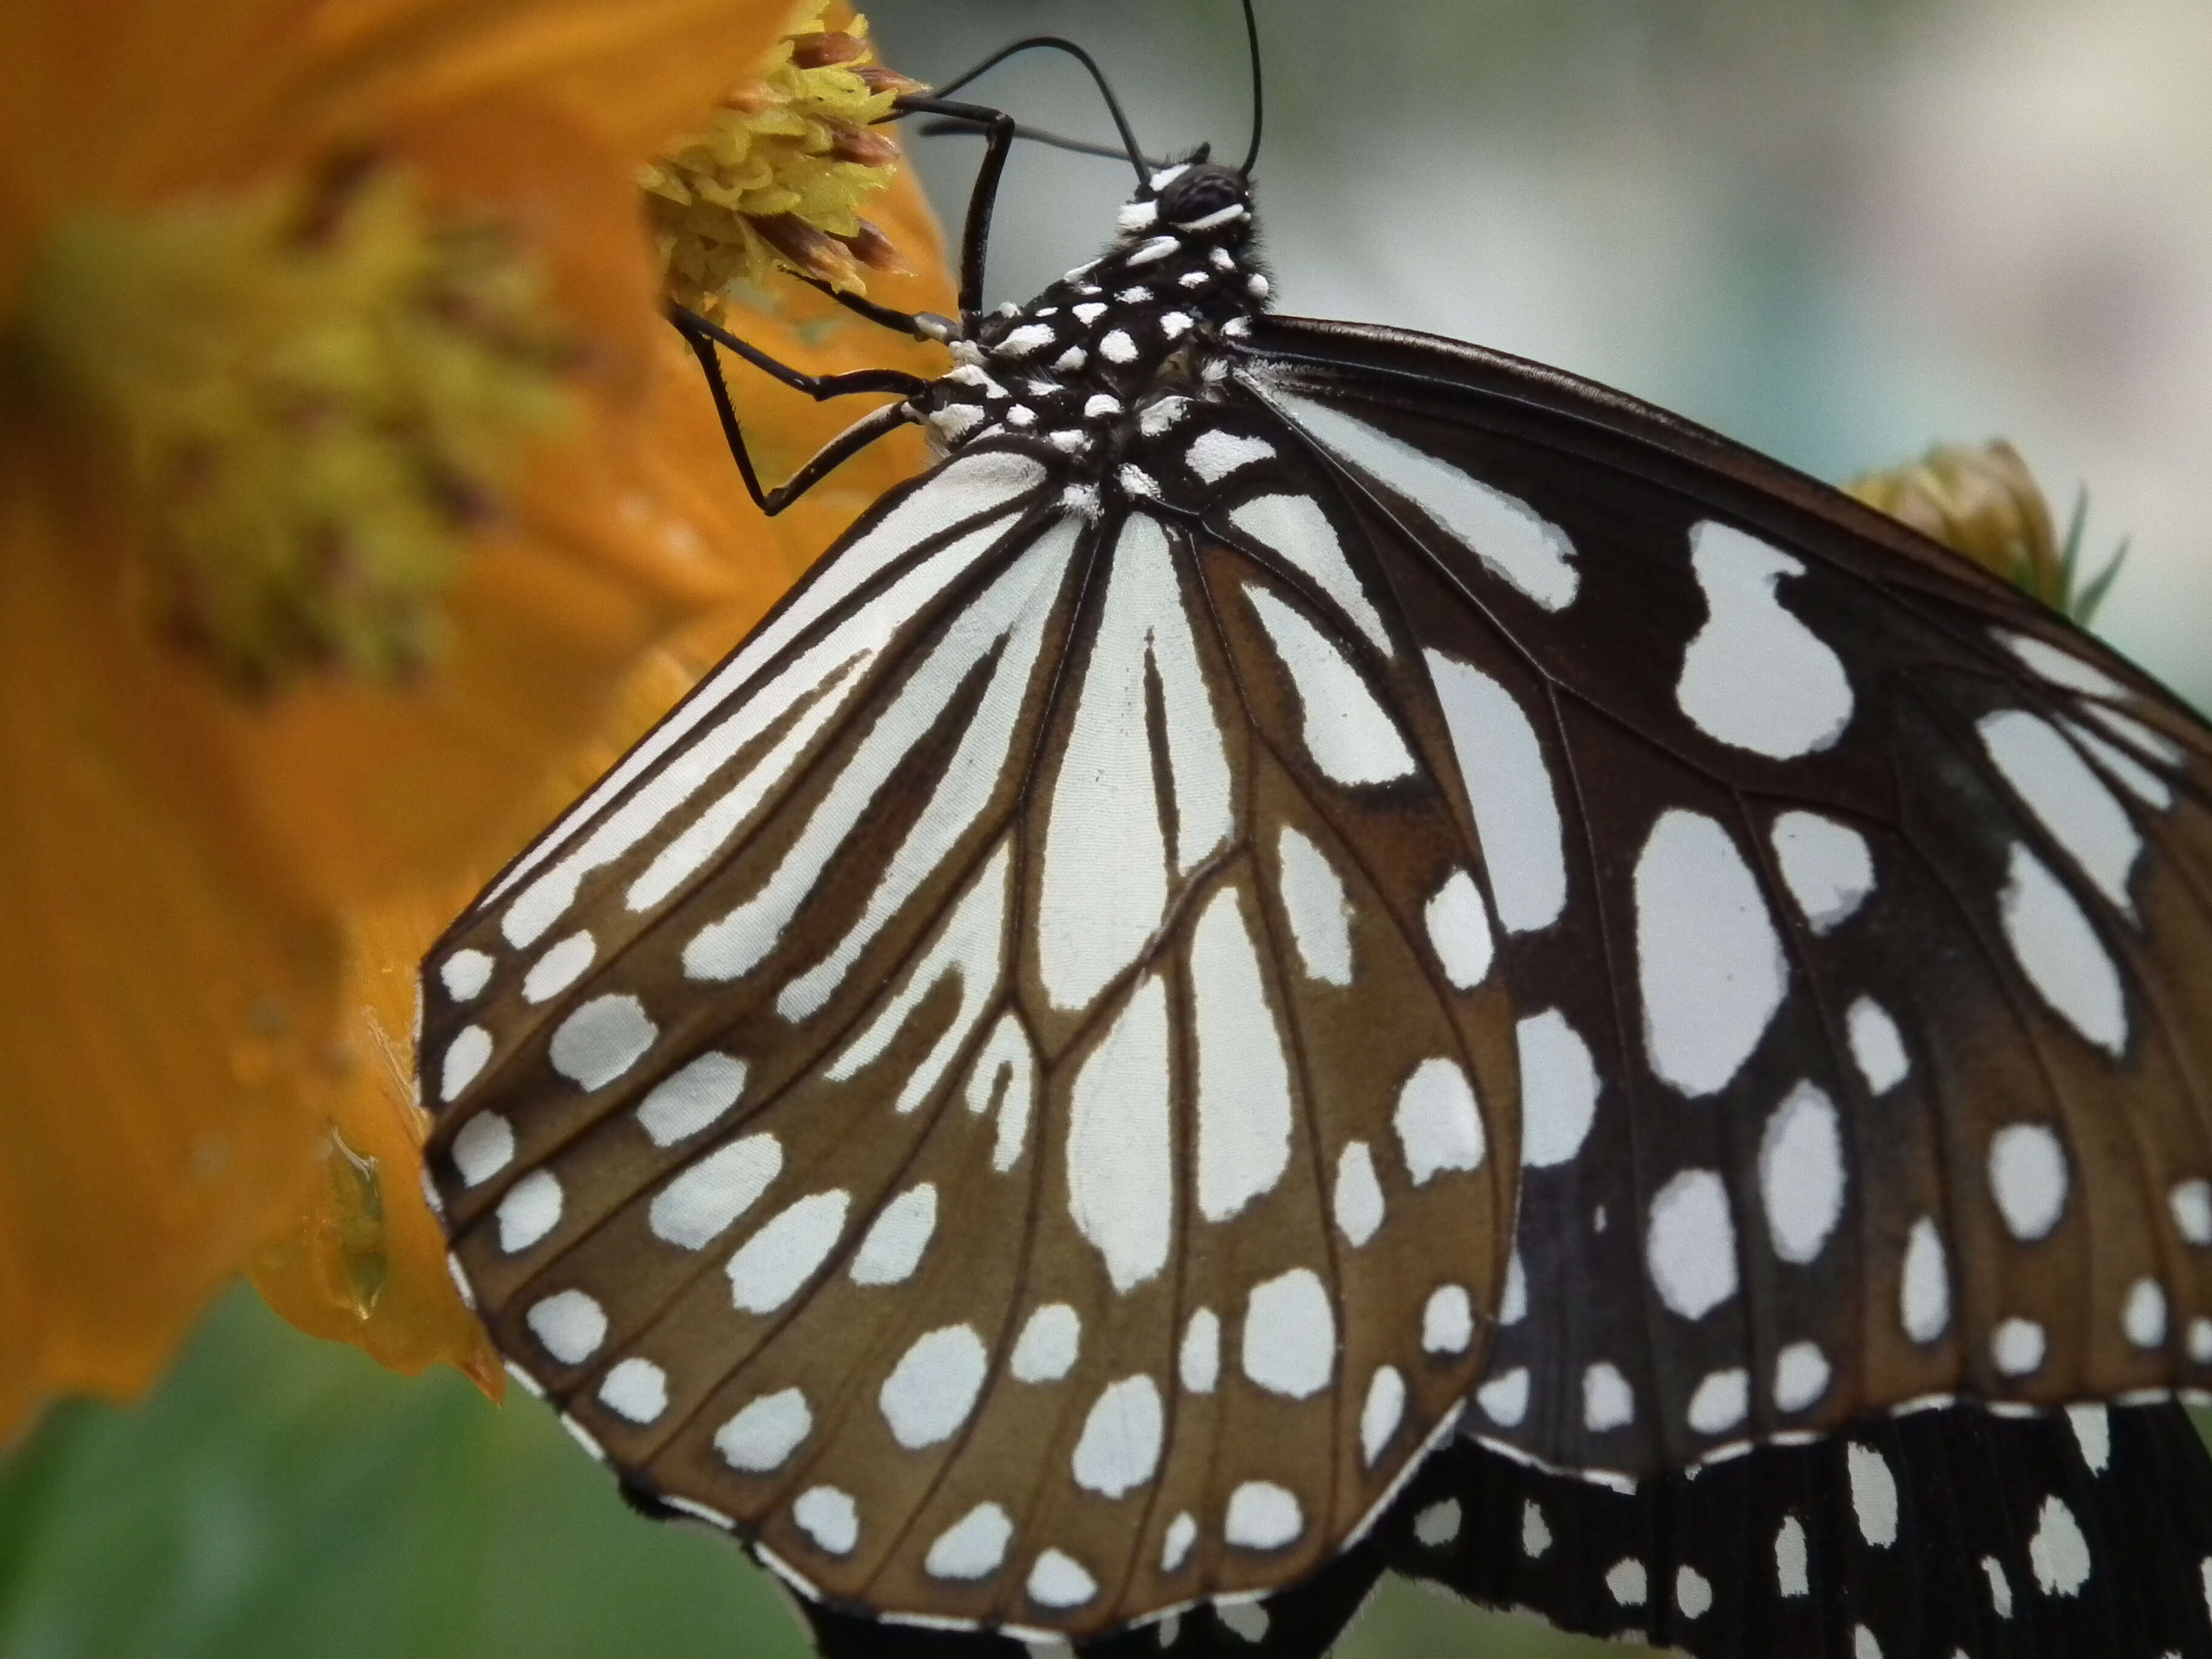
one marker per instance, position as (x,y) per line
(352,497)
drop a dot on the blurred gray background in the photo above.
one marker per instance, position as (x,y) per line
(1835,229)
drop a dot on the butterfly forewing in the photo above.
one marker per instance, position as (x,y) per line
(1009,1106)
(1855,911)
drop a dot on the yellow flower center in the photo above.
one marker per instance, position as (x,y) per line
(774,180)
(314,394)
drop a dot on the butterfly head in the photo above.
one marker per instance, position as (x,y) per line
(1146,320)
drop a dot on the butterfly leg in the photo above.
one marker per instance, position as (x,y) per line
(704,337)
(983,202)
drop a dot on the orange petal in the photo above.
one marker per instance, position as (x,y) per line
(370,791)
(164,1007)
(640,69)
(361,1260)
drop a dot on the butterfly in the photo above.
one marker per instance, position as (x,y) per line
(1325,951)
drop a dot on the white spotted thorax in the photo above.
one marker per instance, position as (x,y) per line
(1100,365)
(1313,908)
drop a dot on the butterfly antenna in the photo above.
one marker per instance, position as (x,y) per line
(1252,43)
(1038,136)
(1131,149)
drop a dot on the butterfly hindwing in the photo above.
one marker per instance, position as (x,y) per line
(1854,907)
(1935,1533)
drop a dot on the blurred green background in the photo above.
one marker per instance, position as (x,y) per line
(1836,229)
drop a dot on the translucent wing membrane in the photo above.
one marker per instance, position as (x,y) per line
(1004,1100)
(1857,913)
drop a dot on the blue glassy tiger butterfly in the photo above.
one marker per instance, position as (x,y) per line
(1327,951)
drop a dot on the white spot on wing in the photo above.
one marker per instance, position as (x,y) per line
(1051,1339)
(1263,1516)
(933,1387)
(2061,668)
(1214,454)
(2017,1347)
(1290,1335)
(1923,1292)
(692,1098)
(766,1432)
(2068,797)
(636,1389)
(600,1041)
(1508,786)
(2191,1201)
(1607,1400)
(1690,1247)
(1175,1545)
(1439,1126)
(1800,1173)
(1059,1580)
(1459,931)
(1447,1320)
(1792,1574)
(1874,1494)
(464,974)
(1801,1375)
(1508,535)
(2027,1177)
(1627,1583)
(2058,1555)
(1825,866)
(892,1248)
(531,1209)
(1105,887)
(1380,1416)
(1350,735)
(1296,530)
(570,1324)
(1120,1180)
(1120,1446)
(2093,1432)
(1358,1199)
(702,1204)
(1005,1071)
(1319,910)
(1721,1401)
(1755,676)
(1707,957)
(464,1058)
(974,1547)
(560,967)
(1877,1046)
(482,1147)
(827,1515)
(1243,1076)
(1504,1398)
(767,1268)
(2138,780)
(1199,1361)
(1558,1090)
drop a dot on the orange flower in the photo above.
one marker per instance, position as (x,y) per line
(318,562)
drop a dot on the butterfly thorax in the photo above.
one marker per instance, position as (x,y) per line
(1080,365)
